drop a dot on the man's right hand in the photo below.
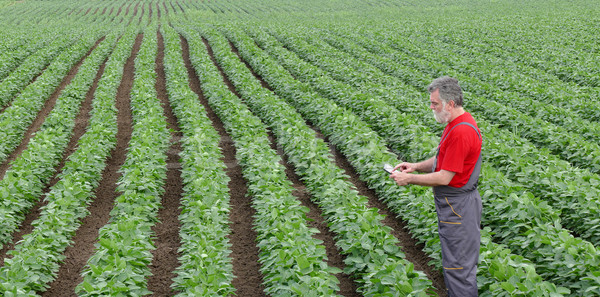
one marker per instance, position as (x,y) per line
(406,167)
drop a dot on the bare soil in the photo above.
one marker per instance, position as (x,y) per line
(167,240)
(26,227)
(141,14)
(69,274)
(411,248)
(413,251)
(178,4)
(120,8)
(334,258)
(248,280)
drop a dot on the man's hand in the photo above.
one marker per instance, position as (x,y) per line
(402,178)
(406,167)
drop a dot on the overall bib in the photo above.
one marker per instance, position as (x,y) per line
(459,221)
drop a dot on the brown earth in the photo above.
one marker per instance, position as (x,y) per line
(413,251)
(167,240)
(315,220)
(181,7)
(141,14)
(34,212)
(69,274)
(120,8)
(248,280)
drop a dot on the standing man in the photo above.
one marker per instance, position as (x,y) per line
(453,173)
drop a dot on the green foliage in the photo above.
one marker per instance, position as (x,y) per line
(292,260)
(120,264)
(206,267)
(367,151)
(35,260)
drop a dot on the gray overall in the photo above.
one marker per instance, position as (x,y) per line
(459,215)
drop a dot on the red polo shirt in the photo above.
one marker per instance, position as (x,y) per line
(460,150)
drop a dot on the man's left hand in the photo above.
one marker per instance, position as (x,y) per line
(401,178)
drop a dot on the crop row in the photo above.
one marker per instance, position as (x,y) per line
(495,79)
(13,54)
(510,215)
(206,266)
(509,111)
(421,112)
(23,182)
(367,157)
(36,258)
(27,70)
(12,40)
(571,57)
(293,262)
(18,117)
(122,256)
(513,156)
(373,255)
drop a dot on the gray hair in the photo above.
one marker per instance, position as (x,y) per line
(449,89)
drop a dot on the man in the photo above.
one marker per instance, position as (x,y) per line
(453,173)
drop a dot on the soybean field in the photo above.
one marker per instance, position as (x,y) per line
(236,148)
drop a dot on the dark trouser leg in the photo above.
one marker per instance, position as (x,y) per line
(460,239)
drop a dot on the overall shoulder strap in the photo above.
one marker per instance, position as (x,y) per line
(442,140)
(459,124)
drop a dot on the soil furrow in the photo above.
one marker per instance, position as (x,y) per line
(411,248)
(167,239)
(19,92)
(127,15)
(26,226)
(141,14)
(334,258)
(120,8)
(347,286)
(413,251)
(248,279)
(44,112)
(76,256)
(181,7)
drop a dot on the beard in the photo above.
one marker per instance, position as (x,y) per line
(442,117)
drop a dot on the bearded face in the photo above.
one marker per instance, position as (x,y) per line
(442,116)
(438,106)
